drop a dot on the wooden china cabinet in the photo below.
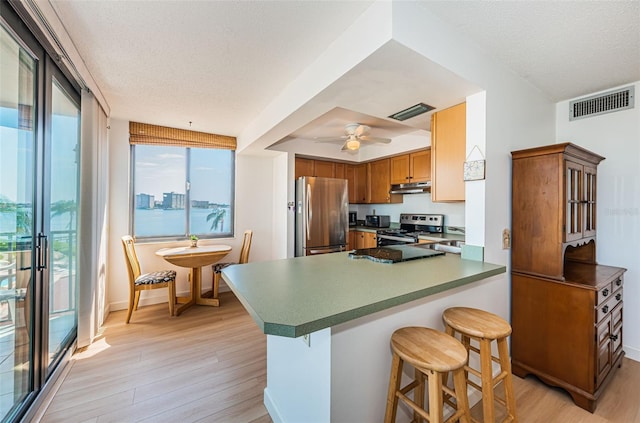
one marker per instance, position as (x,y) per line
(566,310)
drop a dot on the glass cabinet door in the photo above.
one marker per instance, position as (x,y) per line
(574,205)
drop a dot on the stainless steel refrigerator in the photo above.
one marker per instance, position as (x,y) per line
(322,215)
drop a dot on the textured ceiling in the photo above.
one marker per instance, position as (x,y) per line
(565,48)
(218,64)
(172,62)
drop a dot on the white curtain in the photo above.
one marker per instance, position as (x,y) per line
(93,219)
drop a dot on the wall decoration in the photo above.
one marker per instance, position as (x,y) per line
(474,169)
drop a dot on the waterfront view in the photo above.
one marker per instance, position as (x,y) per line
(161,222)
(176,186)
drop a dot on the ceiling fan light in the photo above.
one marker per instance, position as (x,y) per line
(353,144)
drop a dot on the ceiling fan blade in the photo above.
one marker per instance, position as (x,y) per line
(374,140)
(335,140)
(362,130)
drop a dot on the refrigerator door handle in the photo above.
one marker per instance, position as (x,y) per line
(308,212)
(326,250)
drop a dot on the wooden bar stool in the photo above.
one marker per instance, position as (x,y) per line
(431,353)
(485,327)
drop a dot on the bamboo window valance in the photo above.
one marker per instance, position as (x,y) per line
(144,133)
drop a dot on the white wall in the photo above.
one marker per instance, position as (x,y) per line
(254,210)
(517,116)
(616,136)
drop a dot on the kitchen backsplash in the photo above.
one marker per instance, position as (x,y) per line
(415,203)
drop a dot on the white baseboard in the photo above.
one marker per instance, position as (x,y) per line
(271,407)
(631,353)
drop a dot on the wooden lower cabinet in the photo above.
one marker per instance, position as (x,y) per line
(352,240)
(365,240)
(569,333)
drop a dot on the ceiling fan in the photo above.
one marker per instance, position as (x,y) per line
(355,135)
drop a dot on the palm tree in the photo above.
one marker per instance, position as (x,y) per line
(23,215)
(217,217)
(62,207)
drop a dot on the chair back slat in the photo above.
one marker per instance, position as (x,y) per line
(246,247)
(133,266)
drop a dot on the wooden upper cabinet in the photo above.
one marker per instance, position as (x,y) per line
(350,176)
(304,167)
(553,208)
(420,166)
(310,167)
(365,186)
(340,171)
(379,173)
(361,184)
(324,169)
(414,167)
(448,147)
(400,173)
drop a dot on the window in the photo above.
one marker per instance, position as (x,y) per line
(180,191)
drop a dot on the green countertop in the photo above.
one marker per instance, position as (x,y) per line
(296,296)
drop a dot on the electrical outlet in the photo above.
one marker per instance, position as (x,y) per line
(506,239)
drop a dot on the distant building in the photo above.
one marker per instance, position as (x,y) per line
(145,201)
(199,204)
(173,200)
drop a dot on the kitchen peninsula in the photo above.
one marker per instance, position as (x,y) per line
(328,320)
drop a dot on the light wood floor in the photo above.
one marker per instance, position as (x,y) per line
(209,365)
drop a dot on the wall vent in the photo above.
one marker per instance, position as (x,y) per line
(611,101)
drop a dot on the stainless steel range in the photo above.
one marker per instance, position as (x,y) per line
(411,227)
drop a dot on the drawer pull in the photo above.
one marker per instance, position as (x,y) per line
(618,296)
(619,282)
(605,292)
(613,337)
(605,309)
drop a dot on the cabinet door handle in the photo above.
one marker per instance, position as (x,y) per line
(605,309)
(618,296)
(605,292)
(613,337)
(619,282)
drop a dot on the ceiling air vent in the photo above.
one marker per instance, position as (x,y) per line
(611,101)
(412,111)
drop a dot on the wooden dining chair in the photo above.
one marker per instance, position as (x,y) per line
(244,258)
(141,282)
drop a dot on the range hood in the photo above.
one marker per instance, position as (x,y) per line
(412,188)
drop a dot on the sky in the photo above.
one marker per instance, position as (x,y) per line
(163,169)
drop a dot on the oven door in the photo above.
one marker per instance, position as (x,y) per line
(384,240)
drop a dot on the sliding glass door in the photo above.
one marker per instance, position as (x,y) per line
(39,180)
(62,187)
(17,212)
